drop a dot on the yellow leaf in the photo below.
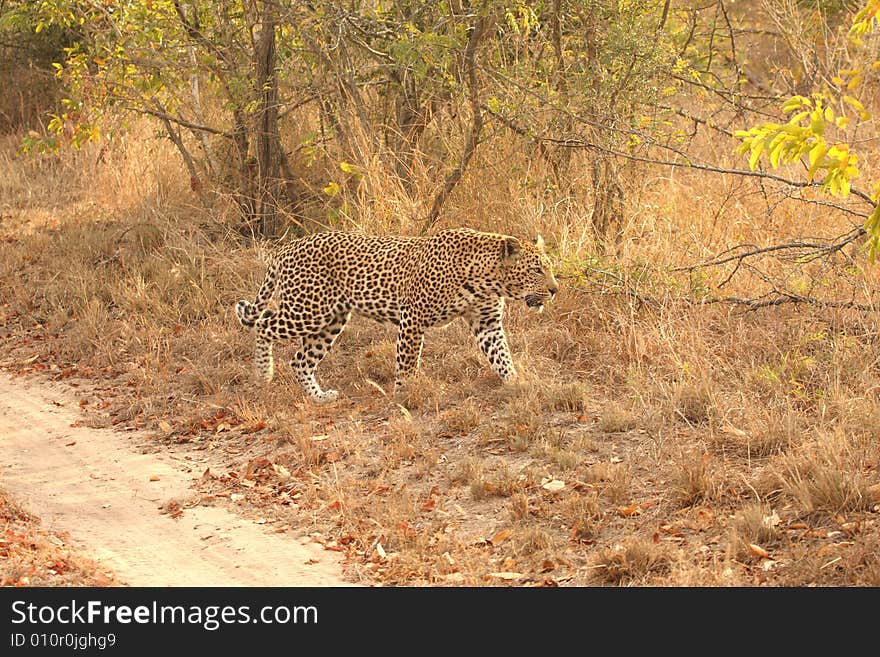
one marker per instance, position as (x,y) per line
(817,154)
(854,102)
(757,149)
(795,102)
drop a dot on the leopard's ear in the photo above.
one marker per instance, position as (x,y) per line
(510,249)
(539,243)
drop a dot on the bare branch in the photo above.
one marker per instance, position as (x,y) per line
(473,136)
(178,121)
(582,143)
(809,250)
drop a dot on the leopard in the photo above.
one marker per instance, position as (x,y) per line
(314,283)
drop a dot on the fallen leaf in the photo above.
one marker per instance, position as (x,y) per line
(552,485)
(757,550)
(506,575)
(631,510)
(500,537)
(874,492)
(172,509)
(165,426)
(154,477)
(257,426)
(282,472)
(100,579)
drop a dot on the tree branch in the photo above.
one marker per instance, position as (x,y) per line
(176,120)
(582,143)
(473,136)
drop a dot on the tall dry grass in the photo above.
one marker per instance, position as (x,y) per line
(648,440)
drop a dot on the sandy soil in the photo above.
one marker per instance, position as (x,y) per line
(98,486)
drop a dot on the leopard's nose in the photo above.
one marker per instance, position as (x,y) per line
(553,289)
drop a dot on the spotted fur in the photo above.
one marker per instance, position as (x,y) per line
(412,282)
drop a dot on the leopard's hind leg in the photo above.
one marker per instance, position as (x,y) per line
(267,334)
(314,347)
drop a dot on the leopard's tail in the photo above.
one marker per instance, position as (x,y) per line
(247,312)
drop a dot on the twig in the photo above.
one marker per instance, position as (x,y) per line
(813,247)
(783,298)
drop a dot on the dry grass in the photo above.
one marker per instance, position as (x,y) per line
(644,444)
(30,555)
(635,561)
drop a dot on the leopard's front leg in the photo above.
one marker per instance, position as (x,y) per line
(485,323)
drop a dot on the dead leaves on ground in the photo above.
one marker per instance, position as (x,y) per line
(31,556)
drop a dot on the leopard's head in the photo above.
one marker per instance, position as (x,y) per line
(528,275)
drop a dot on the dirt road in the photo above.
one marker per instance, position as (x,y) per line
(97,486)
